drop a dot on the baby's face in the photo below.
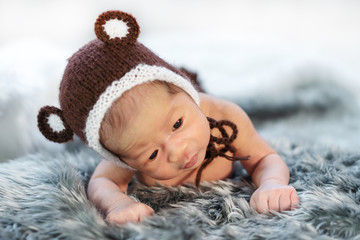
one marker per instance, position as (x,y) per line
(166,137)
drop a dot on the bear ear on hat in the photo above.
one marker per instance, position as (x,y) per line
(52,125)
(117,27)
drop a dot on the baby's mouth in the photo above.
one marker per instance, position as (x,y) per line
(192,161)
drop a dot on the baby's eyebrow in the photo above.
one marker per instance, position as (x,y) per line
(135,150)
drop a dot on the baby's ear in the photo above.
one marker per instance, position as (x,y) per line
(52,125)
(117,27)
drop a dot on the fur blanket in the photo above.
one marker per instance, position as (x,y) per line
(313,125)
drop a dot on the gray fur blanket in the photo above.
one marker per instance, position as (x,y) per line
(314,125)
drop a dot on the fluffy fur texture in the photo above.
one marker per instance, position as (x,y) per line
(43,195)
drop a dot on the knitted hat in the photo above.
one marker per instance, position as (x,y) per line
(98,74)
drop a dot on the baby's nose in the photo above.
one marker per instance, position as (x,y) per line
(177,150)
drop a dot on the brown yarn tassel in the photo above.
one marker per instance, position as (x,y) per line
(225,140)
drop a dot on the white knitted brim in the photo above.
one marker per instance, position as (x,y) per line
(138,75)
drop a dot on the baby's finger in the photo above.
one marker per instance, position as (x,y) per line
(262,206)
(274,204)
(295,201)
(285,202)
(149,211)
(146,212)
(118,219)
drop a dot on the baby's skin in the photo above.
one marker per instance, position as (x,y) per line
(164,139)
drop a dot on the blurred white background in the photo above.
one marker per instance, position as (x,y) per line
(238,47)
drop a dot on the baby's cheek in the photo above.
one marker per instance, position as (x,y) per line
(204,133)
(153,169)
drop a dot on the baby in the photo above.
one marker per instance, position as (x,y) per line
(148,120)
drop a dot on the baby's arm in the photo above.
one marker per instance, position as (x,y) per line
(267,169)
(271,175)
(107,188)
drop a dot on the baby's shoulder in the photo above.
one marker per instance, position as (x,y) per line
(217,108)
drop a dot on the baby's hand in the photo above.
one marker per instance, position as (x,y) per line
(274,196)
(129,211)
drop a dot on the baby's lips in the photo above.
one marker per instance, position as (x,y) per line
(191,162)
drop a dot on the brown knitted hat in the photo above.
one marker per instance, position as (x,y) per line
(98,74)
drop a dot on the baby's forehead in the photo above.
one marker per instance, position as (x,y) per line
(154,86)
(140,95)
(125,110)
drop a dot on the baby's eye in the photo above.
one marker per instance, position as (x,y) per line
(177,124)
(153,155)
